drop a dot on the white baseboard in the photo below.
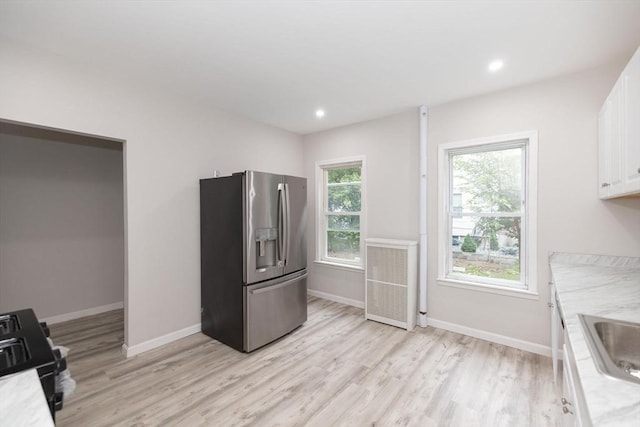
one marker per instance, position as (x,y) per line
(490,336)
(83,313)
(130,351)
(336,298)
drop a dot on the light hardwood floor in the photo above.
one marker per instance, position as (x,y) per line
(337,369)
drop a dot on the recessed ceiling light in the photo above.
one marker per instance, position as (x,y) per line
(319,114)
(496,65)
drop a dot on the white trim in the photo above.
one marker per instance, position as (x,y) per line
(336,298)
(347,267)
(492,289)
(321,165)
(83,313)
(130,351)
(125,199)
(529,214)
(490,336)
(343,262)
(343,161)
(490,140)
(390,243)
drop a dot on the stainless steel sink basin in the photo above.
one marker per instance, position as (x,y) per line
(615,346)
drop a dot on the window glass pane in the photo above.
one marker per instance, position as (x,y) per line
(344,198)
(487,181)
(342,195)
(486,247)
(343,222)
(347,174)
(343,244)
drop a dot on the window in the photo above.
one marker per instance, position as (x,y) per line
(488,214)
(340,207)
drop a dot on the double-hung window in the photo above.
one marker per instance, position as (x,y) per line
(487,213)
(340,209)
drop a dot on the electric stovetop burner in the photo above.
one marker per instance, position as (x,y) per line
(9,323)
(13,352)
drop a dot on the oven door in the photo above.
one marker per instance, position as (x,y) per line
(274,308)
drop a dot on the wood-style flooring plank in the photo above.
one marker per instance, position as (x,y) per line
(337,369)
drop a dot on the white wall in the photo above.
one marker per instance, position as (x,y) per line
(571,218)
(170,143)
(61,225)
(390,147)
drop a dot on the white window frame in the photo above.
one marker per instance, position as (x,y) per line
(528,247)
(321,243)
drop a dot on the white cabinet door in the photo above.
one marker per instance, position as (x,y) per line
(568,416)
(619,135)
(604,141)
(631,101)
(556,330)
(610,149)
(573,406)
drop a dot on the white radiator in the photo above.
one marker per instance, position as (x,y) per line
(391,280)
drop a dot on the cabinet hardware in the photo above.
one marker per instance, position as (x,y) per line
(550,305)
(565,401)
(605,184)
(566,410)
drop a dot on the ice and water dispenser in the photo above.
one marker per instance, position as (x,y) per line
(266,248)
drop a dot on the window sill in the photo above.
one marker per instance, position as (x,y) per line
(337,266)
(481,287)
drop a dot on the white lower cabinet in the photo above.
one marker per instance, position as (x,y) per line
(556,329)
(568,400)
(574,406)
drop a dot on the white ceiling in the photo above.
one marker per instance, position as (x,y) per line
(278,61)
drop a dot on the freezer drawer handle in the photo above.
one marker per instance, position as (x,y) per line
(279,285)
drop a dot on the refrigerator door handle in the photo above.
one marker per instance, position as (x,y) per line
(287,224)
(281,224)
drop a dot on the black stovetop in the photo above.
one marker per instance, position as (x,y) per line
(23,344)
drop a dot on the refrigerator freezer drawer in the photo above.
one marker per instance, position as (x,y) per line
(274,310)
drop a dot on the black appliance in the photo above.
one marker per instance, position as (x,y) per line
(23,346)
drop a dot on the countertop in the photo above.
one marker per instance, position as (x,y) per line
(603,286)
(22,401)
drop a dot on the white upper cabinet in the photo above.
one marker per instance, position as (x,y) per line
(619,135)
(631,77)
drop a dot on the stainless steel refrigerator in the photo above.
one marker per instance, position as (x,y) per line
(253,257)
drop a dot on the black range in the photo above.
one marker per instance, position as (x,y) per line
(24,346)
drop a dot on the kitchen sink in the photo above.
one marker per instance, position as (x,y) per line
(614,345)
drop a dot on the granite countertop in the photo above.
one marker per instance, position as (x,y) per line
(23,402)
(603,286)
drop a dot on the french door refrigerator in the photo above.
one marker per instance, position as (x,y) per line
(253,257)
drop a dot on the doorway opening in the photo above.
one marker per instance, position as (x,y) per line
(63,241)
